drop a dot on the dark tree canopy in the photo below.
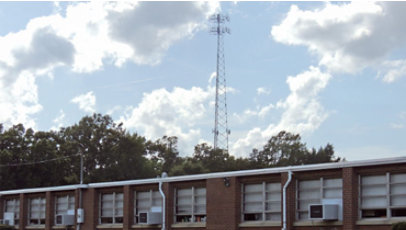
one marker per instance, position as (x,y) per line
(111,153)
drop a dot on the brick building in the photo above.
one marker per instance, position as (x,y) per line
(368,194)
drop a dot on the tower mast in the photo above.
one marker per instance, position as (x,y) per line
(220,130)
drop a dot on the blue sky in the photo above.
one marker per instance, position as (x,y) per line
(333,72)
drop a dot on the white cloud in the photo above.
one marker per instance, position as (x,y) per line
(86,102)
(393,70)
(263,91)
(19,100)
(88,35)
(59,121)
(260,112)
(302,111)
(348,37)
(172,113)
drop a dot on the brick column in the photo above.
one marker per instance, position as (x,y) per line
(49,210)
(23,212)
(77,191)
(222,204)
(128,209)
(1,205)
(350,198)
(290,201)
(90,206)
(168,191)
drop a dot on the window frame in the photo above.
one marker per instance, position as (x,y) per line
(195,217)
(114,215)
(42,210)
(151,200)
(70,206)
(388,207)
(264,201)
(16,209)
(322,189)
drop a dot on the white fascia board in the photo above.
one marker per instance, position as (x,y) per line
(254,172)
(45,189)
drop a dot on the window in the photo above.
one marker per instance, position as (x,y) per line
(144,201)
(63,204)
(383,196)
(313,191)
(36,212)
(190,205)
(111,208)
(262,202)
(13,206)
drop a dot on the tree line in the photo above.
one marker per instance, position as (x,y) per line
(31,158)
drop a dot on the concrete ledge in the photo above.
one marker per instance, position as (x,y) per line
(101,226)
(40,226)
(63,226)
(260,224)
(382,221)
(317,223)
(146,226)
(189,225)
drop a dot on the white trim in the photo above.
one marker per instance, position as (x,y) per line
(45,189)
(323,166)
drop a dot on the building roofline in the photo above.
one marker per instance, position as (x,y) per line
(254,172)
(44,189)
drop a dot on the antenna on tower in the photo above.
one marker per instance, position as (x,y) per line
(220,130)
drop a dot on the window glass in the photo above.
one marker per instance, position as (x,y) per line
(262,202)
(383,196)
(36,212)
(190,205)
(13,206)
(314,191)
(111,208)
(144,201)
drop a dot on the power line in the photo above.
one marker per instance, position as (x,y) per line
(37,162)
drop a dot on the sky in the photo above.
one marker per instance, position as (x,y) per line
(333,72)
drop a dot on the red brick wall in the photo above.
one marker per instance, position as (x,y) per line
(222,204)
(90,206)
(350,198)
(49,210)
(23,211)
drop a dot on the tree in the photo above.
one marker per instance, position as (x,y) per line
(164,153)
(287,149)
(109,152)
(27,158)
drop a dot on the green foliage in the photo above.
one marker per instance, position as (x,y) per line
(399,226)
(287,149)
(6,227)
(36,159)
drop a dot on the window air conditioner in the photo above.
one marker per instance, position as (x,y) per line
(150,218)
(65,219)
(8,218)
(323,211)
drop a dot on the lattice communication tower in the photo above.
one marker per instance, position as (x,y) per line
(220,130)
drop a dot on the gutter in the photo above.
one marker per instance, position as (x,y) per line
(164,175)
(284,198)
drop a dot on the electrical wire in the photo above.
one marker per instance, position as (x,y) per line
(37,162)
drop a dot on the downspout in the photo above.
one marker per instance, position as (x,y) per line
(164,174)
(284,198)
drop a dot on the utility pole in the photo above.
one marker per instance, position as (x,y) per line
(220,130)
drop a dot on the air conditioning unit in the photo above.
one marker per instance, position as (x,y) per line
(323,211)
(8,218)
(150,218)
(65,219)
